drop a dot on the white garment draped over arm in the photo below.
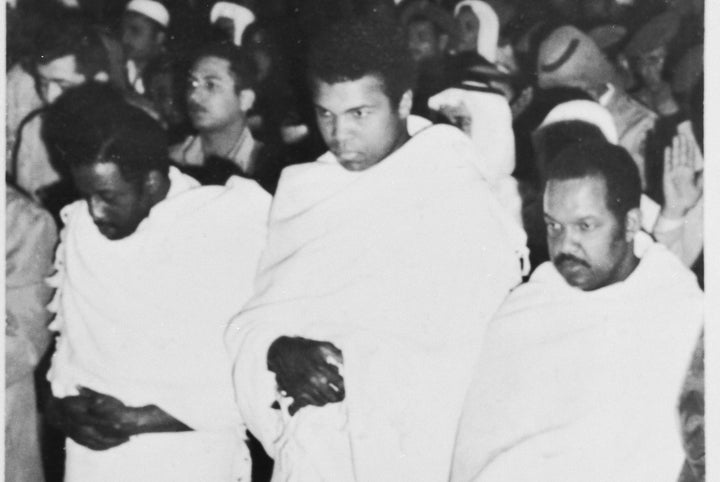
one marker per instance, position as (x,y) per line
(400,266)
(142,318)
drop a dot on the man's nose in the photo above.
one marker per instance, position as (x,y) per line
(570,240)
(194,94)
(342,129)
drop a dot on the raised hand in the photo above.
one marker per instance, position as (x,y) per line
(682,185)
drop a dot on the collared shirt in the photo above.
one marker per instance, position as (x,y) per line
(244,152)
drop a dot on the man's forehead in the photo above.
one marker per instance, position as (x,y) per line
(211,66)
(576,197)
(368,87)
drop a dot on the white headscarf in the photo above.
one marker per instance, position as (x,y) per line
(489,29)
(241,17)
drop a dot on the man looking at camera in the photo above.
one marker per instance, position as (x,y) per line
(580,370)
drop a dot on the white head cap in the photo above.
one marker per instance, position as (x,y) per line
(584,111)
(240,16)
(151,9)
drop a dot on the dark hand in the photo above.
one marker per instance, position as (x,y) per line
(111,413)
(115,415)
(72,415)
(302,372)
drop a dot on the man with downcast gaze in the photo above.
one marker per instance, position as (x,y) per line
(150,267)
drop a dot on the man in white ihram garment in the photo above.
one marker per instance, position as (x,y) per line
(580,372)
(151,267)
(385,259)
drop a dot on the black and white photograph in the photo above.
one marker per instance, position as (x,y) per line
(361,241)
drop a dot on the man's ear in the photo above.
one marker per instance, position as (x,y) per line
(633,223)
(406,102)
(154,181)
(443,42)
(247,99)
(101,76)
(160,38)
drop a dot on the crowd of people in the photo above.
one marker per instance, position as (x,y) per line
(354,240)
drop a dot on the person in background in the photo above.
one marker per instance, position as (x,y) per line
(429,30)
(30,241)
(164,79)
(143,37)
(569,58)
(647,51)
(220,92)
(579,373)
(358,286)
(149,269)
(68,53)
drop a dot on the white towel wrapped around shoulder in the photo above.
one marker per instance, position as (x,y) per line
(400,266)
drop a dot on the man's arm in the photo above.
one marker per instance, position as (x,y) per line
(306,370)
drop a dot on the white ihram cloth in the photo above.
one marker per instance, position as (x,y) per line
(400,266)
(143,318)
(575,385)
(491,132)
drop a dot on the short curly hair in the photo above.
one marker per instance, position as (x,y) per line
(359,46)
(93,123)
(599,158)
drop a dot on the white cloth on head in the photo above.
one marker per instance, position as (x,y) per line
(399,266)
(575,385)
(488,30)
(142,319)
(151,9)
(241,17)
(491,132)
(584,111)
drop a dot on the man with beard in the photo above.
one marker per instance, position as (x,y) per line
(579,374)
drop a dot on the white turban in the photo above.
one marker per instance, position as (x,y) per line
(151,9)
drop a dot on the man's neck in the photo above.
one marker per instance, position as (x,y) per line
(627,266)
(220,142)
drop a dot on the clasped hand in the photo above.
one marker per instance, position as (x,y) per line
(307,371)
(92,419)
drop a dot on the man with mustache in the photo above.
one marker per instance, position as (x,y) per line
(581,369)
(219,95)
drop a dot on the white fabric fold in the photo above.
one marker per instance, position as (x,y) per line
(491,132)
(400,266)
(142,318)
(575,385)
